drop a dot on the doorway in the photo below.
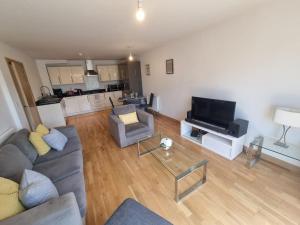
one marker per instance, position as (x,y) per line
(20,79)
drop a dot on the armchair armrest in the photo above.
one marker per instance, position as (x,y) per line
(146,118)
(117,130)
(58,211)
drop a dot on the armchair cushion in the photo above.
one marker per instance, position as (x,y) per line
(135,128)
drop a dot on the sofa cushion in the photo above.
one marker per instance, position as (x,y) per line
(21,140)
(40,145)
(131,212)
(9,201)
(72,145)
(75,184)
(68,131)
(13,162)
(56,140)
(129,118)
(36,189)
(42,129)
(135,129)
(62,167)
(124,109)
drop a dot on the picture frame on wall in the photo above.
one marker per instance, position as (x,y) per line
(147,69)
(169,66)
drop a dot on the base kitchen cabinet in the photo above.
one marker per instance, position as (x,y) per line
(52,115)
(90,103)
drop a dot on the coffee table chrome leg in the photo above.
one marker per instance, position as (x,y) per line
(179,196)
(251,161)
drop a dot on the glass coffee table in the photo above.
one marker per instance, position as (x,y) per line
(181,162)
(261,143)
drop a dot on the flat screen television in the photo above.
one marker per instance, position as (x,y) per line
(213,111)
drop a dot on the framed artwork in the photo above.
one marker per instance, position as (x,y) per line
(169,66)
(147,69)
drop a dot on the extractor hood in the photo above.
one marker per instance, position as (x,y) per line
(90,69)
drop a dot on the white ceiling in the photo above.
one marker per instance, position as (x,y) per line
(59,29)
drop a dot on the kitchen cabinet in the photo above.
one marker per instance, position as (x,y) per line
(84,103)
(113,72)
(108,72)
(65,75)
(52,115)
(61,75)
(90,103)
(71,106)
(77,74)
(54,75)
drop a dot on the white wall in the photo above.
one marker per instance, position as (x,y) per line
(252,59)
(7,84)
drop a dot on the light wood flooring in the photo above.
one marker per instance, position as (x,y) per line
(233,194)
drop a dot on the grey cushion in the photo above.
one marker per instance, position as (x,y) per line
(130,212)
(36,189)
(135,128)
(20,139)
(124,109)
(72,145)
(62,167)
(68,131)
(13,162)
(56,139)
(74,183)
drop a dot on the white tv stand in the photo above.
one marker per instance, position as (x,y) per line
(222,144)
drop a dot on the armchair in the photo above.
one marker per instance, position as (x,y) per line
(129,134)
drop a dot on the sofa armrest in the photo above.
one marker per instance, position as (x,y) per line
(117,130)
(58,211)
(146,118)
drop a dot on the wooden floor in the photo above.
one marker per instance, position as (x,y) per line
(233,194)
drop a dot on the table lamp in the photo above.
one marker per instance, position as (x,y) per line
(288,118)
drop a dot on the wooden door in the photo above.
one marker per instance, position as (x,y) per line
(54,75)
(22,85)
(77,74)
(65,75)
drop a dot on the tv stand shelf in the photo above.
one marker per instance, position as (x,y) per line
(222,144)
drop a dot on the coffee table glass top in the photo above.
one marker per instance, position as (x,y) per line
(178,159)
(267,143)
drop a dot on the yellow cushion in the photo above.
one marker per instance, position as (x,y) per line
(40,145)
(42,129)
(9,200)
(129,118)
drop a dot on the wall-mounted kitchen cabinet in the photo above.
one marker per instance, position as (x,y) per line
(61,75)
(108,72)
(54,75)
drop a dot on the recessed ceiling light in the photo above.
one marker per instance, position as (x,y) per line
(80,54)
(140,13)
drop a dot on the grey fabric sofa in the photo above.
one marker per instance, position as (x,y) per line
(126,135)
(64,168)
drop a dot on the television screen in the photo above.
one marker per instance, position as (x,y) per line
(213,111)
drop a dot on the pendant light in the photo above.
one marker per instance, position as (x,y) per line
(130,57)
(140,13)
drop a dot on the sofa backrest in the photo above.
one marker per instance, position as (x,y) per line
(21,140)
(124,109)
(13,162)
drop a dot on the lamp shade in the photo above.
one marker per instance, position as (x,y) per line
(287,116)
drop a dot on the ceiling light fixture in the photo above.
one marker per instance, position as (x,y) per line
(140,13)
(130,57)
